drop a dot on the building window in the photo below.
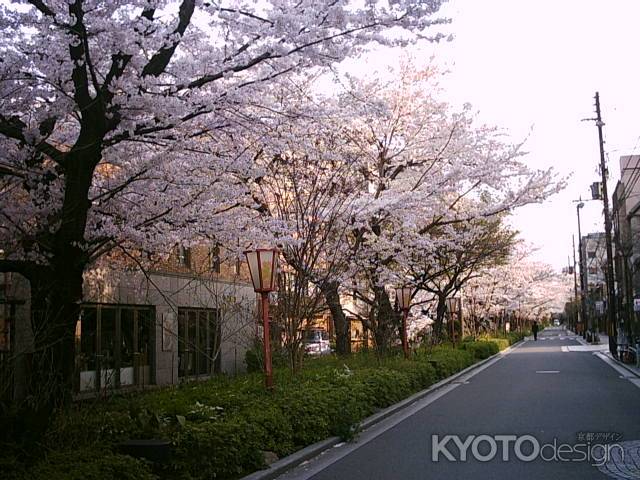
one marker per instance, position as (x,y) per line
(214,259)
(184,256)
(114,346)
(199,335)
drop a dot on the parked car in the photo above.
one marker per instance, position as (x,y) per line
(316,342)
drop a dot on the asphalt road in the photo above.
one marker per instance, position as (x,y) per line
(570,397)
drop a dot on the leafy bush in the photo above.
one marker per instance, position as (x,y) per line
(502,343)
(481,349)
(90,464)
(448,361)
(217,449)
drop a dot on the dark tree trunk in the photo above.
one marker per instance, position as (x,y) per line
(440,313)
(56,303)
(385,321)
(340,321)
(57,289)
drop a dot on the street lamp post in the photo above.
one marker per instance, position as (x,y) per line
(575,286)
(454,309)
(583,306)
(403,296)
(263,269)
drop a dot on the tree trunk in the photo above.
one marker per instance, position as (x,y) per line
(440,313)
(57,290)
(56,308)
(341,323)
(385,321)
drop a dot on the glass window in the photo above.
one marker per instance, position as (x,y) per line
(184,256)
(182,343)
(204,347)
(192,342)
(198,342)
(214,257)
(145,324)
(108,337)
(127,341)
(88,338)
(121,338)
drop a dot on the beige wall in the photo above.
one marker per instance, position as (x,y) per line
(168,292)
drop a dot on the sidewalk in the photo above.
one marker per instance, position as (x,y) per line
(604,342)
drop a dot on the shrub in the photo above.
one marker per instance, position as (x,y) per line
(273,429)
(481,349)
(224,449)
(502,343)
(448,361)
(90,464)
(84,426)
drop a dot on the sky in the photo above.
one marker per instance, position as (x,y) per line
(532,67)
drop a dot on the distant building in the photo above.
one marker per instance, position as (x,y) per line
(626,224)
(594,254)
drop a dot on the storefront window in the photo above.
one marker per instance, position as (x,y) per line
(114,346)
(198,342)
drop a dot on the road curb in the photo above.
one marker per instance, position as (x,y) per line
(623,365)
(291,461)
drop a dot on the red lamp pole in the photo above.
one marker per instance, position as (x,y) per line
(268,370)
(263,269)
(405,342)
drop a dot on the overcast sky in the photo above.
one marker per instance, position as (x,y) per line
(533,67)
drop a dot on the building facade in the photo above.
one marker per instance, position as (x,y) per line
(626,224)
(187,318)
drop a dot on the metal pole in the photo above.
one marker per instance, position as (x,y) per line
(460,318)
(583,305)
(405,341)
(611,293)
(266,341)
(575,282)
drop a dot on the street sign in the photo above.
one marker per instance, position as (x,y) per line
(600,307)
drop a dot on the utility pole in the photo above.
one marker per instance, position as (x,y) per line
(611,292)
(575,285)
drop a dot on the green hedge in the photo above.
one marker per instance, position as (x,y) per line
(221,428)
(90,464)
(482,349)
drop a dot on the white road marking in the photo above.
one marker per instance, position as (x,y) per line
(586,348)
(547,371)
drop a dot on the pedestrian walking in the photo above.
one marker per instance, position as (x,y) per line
(534,329)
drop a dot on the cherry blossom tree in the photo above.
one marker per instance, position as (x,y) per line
(308,185)
(522,287)
(426,169)
(120,122)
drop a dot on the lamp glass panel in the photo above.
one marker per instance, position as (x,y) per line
(406,297)
(403,295)
(451,305)
(266,268)
(252,260)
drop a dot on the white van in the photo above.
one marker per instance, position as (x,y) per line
(316,342)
